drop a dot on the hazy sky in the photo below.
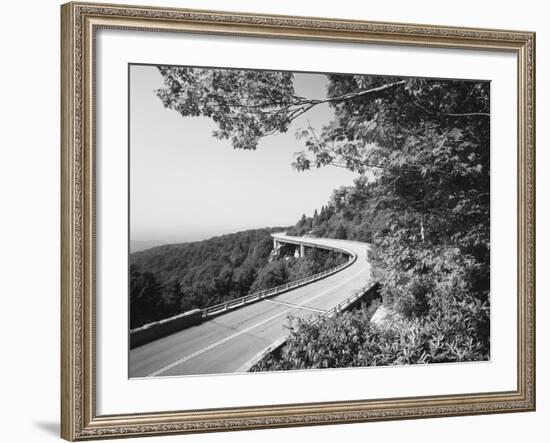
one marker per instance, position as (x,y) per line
(186,185)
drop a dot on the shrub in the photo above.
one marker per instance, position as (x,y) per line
(455,333)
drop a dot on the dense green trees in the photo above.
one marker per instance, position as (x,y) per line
(149,299)
(145,304)
(350,213)
(351,340)
(170,279)
(271,275)
(289,268)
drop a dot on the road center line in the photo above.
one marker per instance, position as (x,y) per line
(244,331)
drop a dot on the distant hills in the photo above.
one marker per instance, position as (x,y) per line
(141,245)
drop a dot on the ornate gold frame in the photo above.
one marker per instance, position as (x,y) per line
(79,420)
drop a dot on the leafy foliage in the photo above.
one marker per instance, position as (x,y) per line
(244,104)
(351,340)
(279,272)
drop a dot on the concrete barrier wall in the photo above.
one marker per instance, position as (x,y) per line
(153,331)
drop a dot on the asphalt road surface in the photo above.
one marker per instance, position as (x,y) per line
(225,343)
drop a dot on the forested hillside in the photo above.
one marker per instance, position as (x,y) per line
(170,279)
(350,213)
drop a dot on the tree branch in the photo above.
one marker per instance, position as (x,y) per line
(300,102)
(351,95)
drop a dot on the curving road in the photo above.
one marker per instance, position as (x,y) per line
(225,343)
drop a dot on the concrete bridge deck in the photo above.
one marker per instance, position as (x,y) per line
(223,344)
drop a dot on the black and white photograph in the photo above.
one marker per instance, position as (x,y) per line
(283,221)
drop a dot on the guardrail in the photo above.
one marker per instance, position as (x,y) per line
(221,308)
(371,288)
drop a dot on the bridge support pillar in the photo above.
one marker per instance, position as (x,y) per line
(302,251)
